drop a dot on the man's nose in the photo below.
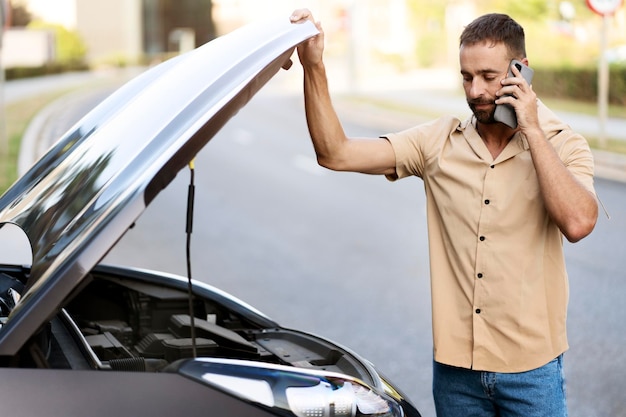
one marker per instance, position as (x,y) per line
(477,88)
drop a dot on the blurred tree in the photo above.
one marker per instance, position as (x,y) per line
(553,39)
(20,15)
(428,20)
(519,10)
(70,48)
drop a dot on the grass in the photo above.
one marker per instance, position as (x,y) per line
(17,116)
(584,107)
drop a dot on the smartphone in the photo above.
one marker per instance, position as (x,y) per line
(505,113)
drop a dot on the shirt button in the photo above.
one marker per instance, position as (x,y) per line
(478,311)
(492,166)
(480,275)
(486,201)
(482,238)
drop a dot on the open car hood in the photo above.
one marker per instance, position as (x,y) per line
(79,199)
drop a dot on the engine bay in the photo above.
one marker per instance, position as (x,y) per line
(119,323)
(121,319)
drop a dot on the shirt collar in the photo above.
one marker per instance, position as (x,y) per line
(516,145)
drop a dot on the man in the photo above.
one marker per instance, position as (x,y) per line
(499,201)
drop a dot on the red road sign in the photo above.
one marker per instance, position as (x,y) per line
(604,7)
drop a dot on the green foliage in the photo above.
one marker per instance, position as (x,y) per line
(519,10)
(551,41)
(528,11)
(14,73)
(427,9)
(579,84)
(428,22)
(554,46)
(70,48)
(18,115)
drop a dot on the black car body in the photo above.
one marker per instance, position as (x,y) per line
(81,338)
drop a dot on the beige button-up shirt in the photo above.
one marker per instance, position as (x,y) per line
(498,277)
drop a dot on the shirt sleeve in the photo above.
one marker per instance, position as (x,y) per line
(413,147)
(578,158)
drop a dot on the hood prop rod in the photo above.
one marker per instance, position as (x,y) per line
(188,230)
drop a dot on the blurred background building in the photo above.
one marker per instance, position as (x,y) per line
(117,31)
(136,29)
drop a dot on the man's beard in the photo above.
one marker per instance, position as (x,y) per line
(483,116)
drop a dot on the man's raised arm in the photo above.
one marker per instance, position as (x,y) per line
(333,148)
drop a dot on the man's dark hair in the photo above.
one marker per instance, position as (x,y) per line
(495,28)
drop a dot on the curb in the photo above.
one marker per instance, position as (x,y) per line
(610,166)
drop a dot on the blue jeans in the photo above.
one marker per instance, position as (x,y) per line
(460,392)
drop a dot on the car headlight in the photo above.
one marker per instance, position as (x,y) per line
(302,392)
(339,398)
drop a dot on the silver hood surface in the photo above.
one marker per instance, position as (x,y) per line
(79,199)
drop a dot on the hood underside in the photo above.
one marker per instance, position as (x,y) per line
(79,199)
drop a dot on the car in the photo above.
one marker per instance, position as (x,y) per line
(79,337)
